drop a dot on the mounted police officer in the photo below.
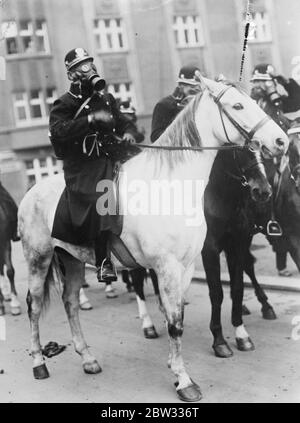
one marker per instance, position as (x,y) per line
(168,108)
(81,121)
(276,95)
(284,93)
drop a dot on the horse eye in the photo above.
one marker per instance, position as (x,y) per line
(238,106)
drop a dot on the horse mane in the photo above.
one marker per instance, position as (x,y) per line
(182,132)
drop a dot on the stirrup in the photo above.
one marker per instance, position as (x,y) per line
(106,275)
(273,228)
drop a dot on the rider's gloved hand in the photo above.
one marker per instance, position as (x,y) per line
(100,119)
(128,138)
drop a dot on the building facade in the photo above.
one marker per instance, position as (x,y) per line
(138,45)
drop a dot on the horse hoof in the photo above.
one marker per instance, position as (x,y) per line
(2,311)
(268,313)
(223,350)
(92,368)
(7,298)
(244,344)
(150,333)
(129,288)
(85,285)
(111,294)
(245,311)
(15,311)
(41,372)
(86,306)
(191,393)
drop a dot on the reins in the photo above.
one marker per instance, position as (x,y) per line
(187,148)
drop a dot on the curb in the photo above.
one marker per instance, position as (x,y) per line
(275,283)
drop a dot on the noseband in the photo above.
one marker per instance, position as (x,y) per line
(248,135)
(255,162)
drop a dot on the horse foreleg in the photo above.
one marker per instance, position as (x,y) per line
(74,270)
(267,310)
(15,305)
(173,282)
(235,260)
(211,263)
(138,279)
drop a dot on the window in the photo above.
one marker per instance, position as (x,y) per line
(9,33)
(42,40)
(110,35)
(260,27)
(26,37)
(123,92)
(21,107)
(51,96)
(38,169)
(188,31)
(33,108)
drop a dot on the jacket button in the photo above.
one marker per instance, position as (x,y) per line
(87,106)
(107,103)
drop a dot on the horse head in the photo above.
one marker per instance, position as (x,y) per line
(236,119)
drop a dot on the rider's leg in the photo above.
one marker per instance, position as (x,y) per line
(105,269)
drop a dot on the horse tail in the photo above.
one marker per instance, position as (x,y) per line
(54,279)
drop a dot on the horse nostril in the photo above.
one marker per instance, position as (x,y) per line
(280,143)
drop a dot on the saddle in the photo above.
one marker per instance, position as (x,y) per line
(63,228)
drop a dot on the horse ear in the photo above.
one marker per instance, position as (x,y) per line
(200,79)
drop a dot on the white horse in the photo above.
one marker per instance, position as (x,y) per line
(169,244)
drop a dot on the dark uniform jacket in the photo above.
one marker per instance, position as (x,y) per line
(292,102)
(164,113)
(77,220)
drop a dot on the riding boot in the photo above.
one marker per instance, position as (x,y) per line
(106,271)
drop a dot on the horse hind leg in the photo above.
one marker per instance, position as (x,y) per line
(267,310)
(15,305)
(37,297)
(138,279)
(72,285)
(173,282)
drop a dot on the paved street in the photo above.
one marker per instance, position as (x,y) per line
(134,369)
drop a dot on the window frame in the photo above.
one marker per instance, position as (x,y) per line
(33,32)
(113,31)
(122,93)
(188,31)
(264,27)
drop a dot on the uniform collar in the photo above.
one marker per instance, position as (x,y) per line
(79,92)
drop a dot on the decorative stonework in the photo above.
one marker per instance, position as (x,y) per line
(115,69)
(185,7)
(106,7)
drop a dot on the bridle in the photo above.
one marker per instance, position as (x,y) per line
(248,135)
(255,162)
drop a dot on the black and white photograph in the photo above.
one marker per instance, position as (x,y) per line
(149,204)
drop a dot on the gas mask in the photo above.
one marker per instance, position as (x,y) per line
(266,89)
(86,74)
